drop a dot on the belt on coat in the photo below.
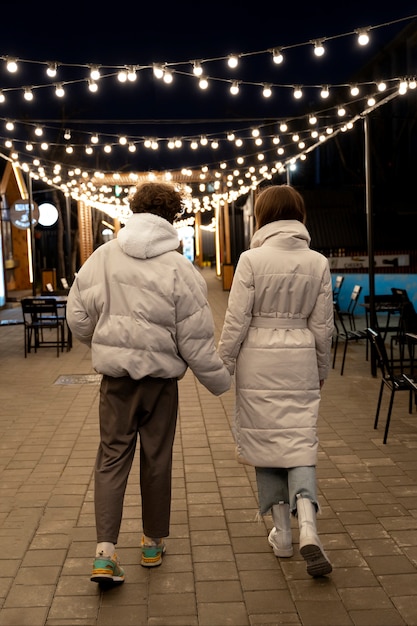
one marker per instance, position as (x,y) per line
(279,322)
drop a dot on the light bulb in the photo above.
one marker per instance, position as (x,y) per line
(131,74)
(67,134)
(277,56)
(234,88)
(94,72)
(267,91)
(197,69)
(381,86)
(11,65)
(297,93)
(92,86)
(168,77)
(319,48)
(51,70)
(363,37)
(94,139)
(354,90)
(59,91)
(324,93)
(233,61)
(203,83)
(122,76)
(158,70)
(28,94)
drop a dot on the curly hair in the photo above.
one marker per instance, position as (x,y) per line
(160,199)
(279,202)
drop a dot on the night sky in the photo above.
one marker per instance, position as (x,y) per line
(88,33)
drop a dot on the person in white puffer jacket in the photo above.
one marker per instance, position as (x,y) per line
(143,309)
(277,337)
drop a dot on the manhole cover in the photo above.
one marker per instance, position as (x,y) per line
(78,379)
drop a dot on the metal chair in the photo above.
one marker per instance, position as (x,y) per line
(336,289)
(388,379)
(345,335)
(350,311)
(41,315)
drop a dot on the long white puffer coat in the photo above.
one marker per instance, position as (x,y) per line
(142,306)
(277,332)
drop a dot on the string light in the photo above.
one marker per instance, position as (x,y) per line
(267,91)
(319,48)
(168,77)
(131,74)
(158,71)
(324,93)
(59,91)
(234,88)
(354,90)
(95,73)
(51,70)
(363,36)
(11,65)
(403,85)
(298,92)
(277,56)
(197,69)
(233,61)
(28,94)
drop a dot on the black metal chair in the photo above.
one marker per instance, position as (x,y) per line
(350,311)
(41,315)
(342,333)
(388,379)
(336,289)
(399,341)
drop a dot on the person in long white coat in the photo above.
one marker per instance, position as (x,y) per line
(276,339)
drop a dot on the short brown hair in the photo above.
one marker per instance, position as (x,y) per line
(161,199)
(279,202)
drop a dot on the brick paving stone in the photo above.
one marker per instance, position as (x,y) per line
(219,567)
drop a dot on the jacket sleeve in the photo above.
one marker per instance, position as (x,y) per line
(195,336)
(81,325)
(321,323)
(238,314)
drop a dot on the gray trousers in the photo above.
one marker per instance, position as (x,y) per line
(128,408)
(277,485)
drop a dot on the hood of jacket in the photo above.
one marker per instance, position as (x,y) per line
(287,231)
(146,235)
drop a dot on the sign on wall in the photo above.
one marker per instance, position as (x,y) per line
(20,213)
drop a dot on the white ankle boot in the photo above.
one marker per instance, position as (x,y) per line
(280,537)
(310,546)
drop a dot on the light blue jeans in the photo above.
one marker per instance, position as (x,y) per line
(278,484)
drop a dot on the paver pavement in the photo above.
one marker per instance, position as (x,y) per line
(219,569)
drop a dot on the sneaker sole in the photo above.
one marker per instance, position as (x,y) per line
(106,581)
(317,564)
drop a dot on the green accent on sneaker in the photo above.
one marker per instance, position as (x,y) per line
(152,554)
(107,571)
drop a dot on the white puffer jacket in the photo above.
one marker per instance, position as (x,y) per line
(277,332)
(142,306)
